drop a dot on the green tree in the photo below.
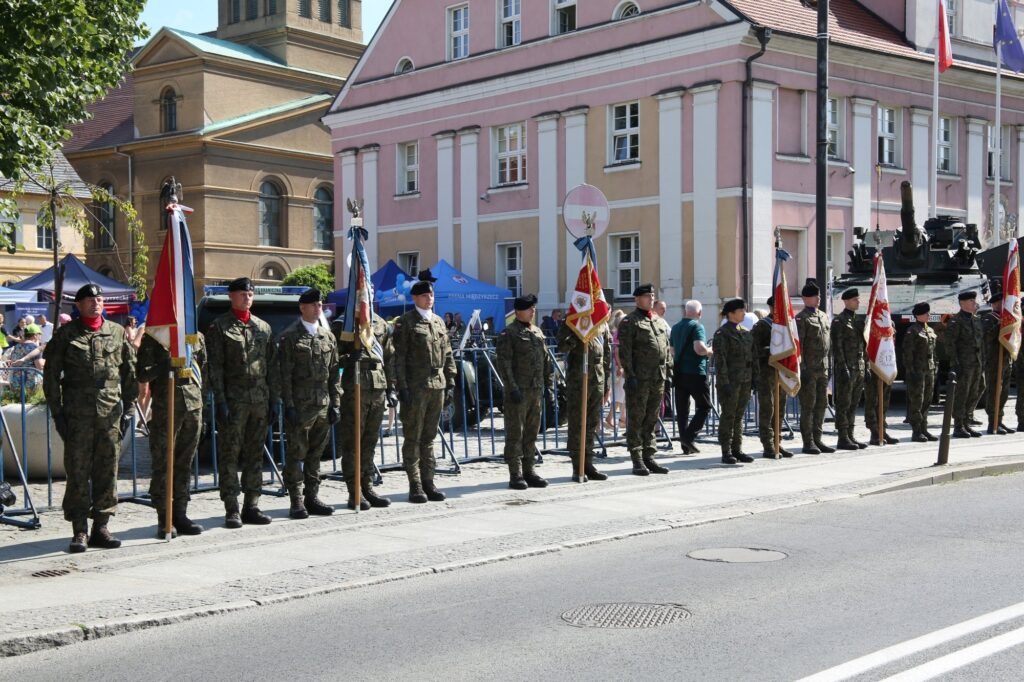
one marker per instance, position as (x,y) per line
(58,56)
(320,276)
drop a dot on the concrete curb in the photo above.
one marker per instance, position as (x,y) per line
(947,475)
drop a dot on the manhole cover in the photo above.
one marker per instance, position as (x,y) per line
(518,503)
(737,555)
(51,573)
(626,615)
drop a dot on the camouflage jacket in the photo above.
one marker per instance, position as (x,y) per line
(815,343)
(423,353)
(599,356)
(89,373)
(919,351)
(151,368)
(522,358)
(761,337)
(991,323)
(375,374)
(734,356)
(308,368)
(965,341)
(848,345)
(644,350)
(240,357)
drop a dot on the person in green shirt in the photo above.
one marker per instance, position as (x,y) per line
(691,352)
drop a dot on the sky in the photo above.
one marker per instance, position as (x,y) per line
(198,16)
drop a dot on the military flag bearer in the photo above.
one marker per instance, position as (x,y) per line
(919,364)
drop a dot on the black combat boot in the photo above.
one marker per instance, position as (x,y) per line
(827,449)
(161,524)
(416,494)
(427,476)
(741,456)
(1020,427)
(433,494)
(845,442)
(973,433)
(315,506)
(298,509)
(890,439)
(232,519)
(515,474)
(639,467)
(591,471)
(688,447)
(784,452)
(183,524)
(101,536)
(810,448)
(253,516)
(1003,429)
(919,437)
(653,466)
(961,432)
(929,435)
(372,497)
(530,475)
(364,504)
(79,537)
(769,453)
(727,457)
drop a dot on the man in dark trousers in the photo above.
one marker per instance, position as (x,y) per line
(690,374)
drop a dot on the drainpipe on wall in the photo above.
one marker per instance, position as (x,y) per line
(131,201)
(763,34)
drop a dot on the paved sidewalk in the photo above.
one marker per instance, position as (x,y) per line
(149,582)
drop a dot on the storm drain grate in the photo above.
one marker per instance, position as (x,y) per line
(625,615)
(51,573)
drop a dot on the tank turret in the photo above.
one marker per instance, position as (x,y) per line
(911,240)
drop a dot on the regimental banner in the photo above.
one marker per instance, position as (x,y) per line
(587,308)
(879,331)
(172,310)
(1010,315)
(359,307)
(784,351)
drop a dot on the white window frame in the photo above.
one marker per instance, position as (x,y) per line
(952,15)
(886,138)
(502,157)
(629,133)
(617,265)
(626,6)
(407,257)
(836,127)
(457,31)
(835,250)
(1004,158)
(407,170)
(558,7)
(510,14)
(404,65)
(503,273)
(44,235)
(946,145)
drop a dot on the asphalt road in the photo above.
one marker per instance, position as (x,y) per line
(862,578)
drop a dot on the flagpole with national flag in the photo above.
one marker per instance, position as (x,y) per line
(784,349)
(943,60)
(1009,322)
(1009,51)
(171,320)
(880,337)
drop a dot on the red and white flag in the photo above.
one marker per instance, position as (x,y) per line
(879,332)
(587,310)
(945,51)
(1010,316)
(784,350)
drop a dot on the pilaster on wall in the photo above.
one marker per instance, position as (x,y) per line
(863,151)
(705,195)
(1020,181)
(547,207)
(670,208)
(976,171)
(920,159)
(762,160)
(348,191)
(575,174)
(370,154)
(445,195)
(469,231)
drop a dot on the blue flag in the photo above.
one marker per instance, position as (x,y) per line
(1006,40)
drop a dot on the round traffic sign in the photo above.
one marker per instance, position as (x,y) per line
(585,202)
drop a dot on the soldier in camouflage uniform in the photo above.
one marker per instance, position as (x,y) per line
(153,365)
(919,364)
(1018,375)
(847,338)
(646,359)
(599,367)
(766,383)
(965,342)
(815,343)
(425,373)
(528,376)
(310,388)
(376,392)
(735,371)
(90,387)
(241,349)
(991,324)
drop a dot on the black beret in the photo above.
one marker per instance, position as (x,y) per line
(995,289)
(525,302)
(733,305)
(427,276)
(770,302)
(311,295)
(422,287)
(810,288)
(850,293)
(967,296)
(643,290)
(88,291)
(921,308)
(240,284)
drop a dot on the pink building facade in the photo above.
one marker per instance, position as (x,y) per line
(465,123)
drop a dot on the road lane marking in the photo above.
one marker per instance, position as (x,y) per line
(885,656)
(958,659)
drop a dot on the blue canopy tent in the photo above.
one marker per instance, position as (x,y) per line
(12,296)
(384,282)
(76,275)
(457,292)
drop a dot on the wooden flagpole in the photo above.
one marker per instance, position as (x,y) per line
(357,490)
(881,411)
(777,400)
(583,411)
(169,498)
(997,418)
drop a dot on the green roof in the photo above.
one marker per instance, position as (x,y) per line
(270,111)
(226,48)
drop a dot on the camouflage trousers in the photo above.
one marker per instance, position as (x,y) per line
(643,407)
(871,402)
(306,442)
(813,403)
(522,424)
(240,450)
(970,386)
(920,389)
(731,410)
(188,428)
(372,407)
(991,372)
(90,456)
(767,385)
(848,390)
(1018,369)
(419,427)
(574,399)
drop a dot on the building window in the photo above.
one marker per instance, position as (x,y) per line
(510,154)
(105,225)
(510,267)
(834,252)
(404,65)
(835,118)
(564,19)
(169,111)
(408,168)
(625,251)
(458,32)
(306,9)
(951,15)
(235,11)
(345,13)
(946,158)
(44,234)
(626,10)
(1004,157)
(10,227)
(625,133)
(271,7)
(270,215)
(251,9)
(509,30)
(272,271)
(409,261)
(325,11)
(323,219)
(889,136)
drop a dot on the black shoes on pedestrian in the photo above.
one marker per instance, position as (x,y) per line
(688,447)
(254,517)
